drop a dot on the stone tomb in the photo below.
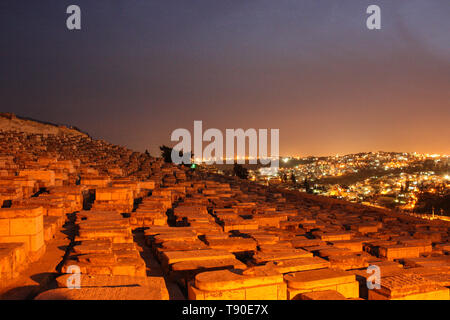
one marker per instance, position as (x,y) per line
(113,199)
(257,283)
(232,244)
(104,245)
(104,287)
(399,251)
(24,225)
(300,264)
(319,280)
(408,287)
(13,260)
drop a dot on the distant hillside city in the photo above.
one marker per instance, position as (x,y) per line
(412,182)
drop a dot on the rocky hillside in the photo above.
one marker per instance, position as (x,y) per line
(11,122)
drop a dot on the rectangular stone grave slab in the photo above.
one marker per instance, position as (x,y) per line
(408,287)
(323,279)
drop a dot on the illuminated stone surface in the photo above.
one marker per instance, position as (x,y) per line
(125,218)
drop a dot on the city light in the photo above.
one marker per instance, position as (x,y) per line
(383,188)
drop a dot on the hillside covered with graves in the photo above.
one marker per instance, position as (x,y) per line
(118,224)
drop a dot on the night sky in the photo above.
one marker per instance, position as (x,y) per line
(140,69)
